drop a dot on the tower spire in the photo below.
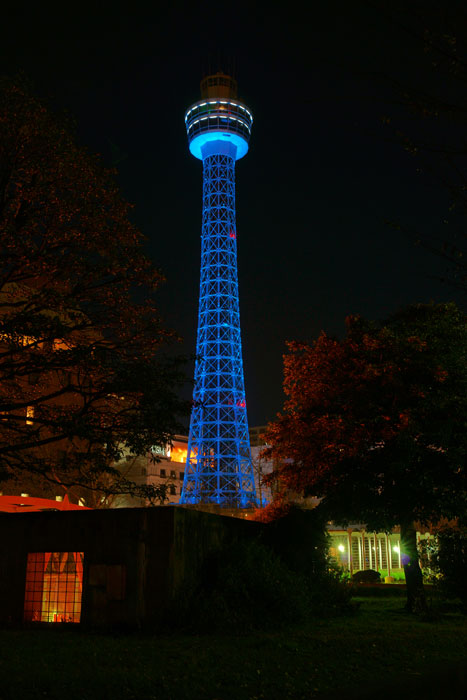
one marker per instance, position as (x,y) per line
(219,468)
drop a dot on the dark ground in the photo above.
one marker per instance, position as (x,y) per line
(377,653)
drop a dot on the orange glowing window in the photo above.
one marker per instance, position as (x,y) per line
(29,415)
(178,454)
(54,585)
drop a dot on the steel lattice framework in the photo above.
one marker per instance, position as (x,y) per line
(219,468)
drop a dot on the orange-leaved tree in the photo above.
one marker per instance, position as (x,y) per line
(83,377)
(375,424)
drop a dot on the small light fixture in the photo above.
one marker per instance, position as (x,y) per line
(341,548)
(396,548)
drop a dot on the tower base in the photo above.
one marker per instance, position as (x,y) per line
(242,513)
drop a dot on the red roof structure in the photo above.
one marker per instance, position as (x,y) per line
(29,504)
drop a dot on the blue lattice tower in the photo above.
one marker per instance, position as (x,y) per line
(219,468)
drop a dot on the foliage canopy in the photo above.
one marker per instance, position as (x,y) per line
(82,377)
(375,424)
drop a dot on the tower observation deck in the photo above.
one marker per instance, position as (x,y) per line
(219,469)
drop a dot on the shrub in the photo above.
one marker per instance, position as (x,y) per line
(366,576)
(330,593)
(449,563)
(301,541)
(251,586)
(245,587)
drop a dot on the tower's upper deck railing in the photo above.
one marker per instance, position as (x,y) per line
(220,118)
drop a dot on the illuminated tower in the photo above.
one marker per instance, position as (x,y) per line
(219,469)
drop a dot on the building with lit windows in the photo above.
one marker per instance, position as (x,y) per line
(166,466)
(353,548)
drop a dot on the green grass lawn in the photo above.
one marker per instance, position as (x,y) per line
(379,650)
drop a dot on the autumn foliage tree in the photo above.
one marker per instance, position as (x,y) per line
(82,374)
(376,424)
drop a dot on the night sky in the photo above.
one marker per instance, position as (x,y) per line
(323,176)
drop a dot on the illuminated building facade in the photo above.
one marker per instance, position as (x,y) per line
(144,470)
(219,468)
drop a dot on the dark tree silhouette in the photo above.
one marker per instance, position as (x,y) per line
(82,374)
